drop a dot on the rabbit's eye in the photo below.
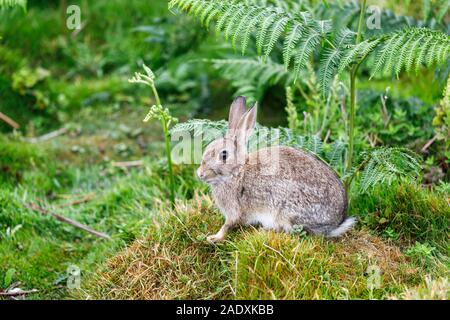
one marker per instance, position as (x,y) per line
(223,155)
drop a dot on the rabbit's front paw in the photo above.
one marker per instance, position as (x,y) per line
(219,237)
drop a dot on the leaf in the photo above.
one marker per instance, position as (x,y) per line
(9,276)
(294,35)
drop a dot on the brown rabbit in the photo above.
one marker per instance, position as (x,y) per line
(277,187)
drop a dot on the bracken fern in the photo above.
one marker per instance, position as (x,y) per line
(13,3)
(302,36)
(385,165)
(252,76)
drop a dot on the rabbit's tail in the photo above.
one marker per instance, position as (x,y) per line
(345,226)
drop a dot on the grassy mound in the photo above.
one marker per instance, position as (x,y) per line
(406,212)
(175,262)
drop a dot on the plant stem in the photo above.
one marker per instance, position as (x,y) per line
(352,113)
(168,150)
(169,162)
(155,93)
(361,21)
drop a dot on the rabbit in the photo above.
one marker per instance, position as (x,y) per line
(303,191)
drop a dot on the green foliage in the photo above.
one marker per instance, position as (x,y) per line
(346,13)
(170,38)
(163,115)
(433,289)
(26,82)
(16,157)
(9,275)
(441,121)
(420,251)
(87,93)
(252,77)
(13,3)
(330,61)
(302,35)
(387,120)
(291,110)
(412,47)
(383,166)
(414,213)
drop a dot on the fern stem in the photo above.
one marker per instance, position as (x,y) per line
(351,119)
(155,94)
(169,162)
(165,127)
(361,22)
(352,113)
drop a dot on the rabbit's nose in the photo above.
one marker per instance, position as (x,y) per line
(200,174)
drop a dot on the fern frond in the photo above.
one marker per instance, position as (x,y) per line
(304,17)
(409,47)
(206,11)
(307,46)
(263,30)
(211,16)
(422,53)
(238,32)
(188,4)
(251,77)
(335,156)
(231,24)
(251,25)
(331,59)
(277,30)
(242,19)
(224,17)
(410,56)
(196,9)
(13,3)
(356,52)
(294,34)
(445,8)
(385,165)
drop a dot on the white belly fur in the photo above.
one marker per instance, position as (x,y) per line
(266,219)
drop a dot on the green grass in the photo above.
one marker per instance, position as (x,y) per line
(406,212)
(41,248)
(173,261)
(156,252)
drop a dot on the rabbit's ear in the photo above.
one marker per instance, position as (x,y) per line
(237,110)
(246,126)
